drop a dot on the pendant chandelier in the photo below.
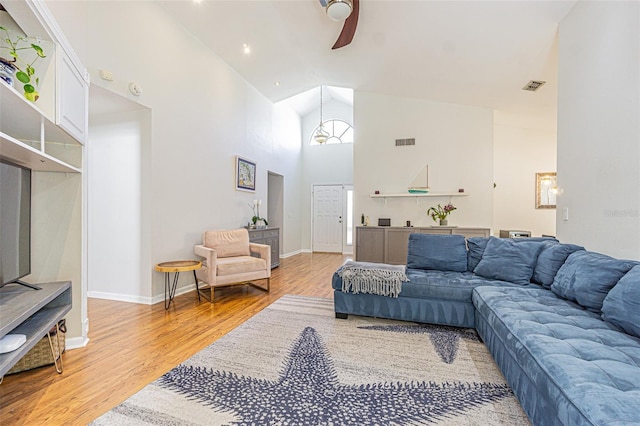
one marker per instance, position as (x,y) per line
(321,135)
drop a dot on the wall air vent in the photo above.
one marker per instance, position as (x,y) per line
(533,85)
(405,142)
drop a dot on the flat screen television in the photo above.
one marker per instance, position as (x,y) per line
(15,222)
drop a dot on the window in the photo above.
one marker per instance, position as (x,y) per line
(339,132)
(349,217)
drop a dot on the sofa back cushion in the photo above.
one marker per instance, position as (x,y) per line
(586,278)
(439,252)
(621,307)
(551,258)
(476,246)
(509,259)
(228,243)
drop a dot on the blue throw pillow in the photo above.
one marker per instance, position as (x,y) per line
(439,252)
(508,259)
(551,258)
(586,278)
(621,307)
(476,247)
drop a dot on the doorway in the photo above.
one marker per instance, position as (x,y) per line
(333,218)
(118,170)
(275,203)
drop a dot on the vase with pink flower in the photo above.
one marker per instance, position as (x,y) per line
(439,213)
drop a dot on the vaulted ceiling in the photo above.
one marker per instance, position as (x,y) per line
(475,52)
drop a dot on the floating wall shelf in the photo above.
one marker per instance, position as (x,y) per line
(428,194)
(418,196)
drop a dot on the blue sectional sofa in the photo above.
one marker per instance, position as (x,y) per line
(562,323)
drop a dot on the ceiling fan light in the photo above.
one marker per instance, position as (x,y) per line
(339,10)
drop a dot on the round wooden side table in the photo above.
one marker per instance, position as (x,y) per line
(177,266)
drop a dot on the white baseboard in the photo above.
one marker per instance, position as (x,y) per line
(293,253)
(76,342)
(143,300)
(120,297)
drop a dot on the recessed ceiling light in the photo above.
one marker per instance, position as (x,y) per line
(277,83)
(246,48)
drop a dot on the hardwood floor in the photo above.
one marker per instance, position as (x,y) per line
(132,345)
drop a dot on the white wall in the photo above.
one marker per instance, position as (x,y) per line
(456,141)
(56,237)
(598,127)
(200,121)
(115,206)
(523,146)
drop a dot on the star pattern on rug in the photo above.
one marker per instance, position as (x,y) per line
(307,392)
(445,339)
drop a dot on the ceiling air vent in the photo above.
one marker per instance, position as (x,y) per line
(533,85)
(405,142)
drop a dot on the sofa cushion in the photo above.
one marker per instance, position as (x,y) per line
(439,252)
(585,367)
(551,258)
(228,243)
(510,260)
(446,285)
(586,277)
(621,307)
(476,246)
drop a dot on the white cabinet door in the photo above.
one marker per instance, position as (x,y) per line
(73,98)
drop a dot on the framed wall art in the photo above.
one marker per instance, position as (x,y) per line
(546,190)
(245,174)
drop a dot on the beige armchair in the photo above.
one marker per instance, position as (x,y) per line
(230,259)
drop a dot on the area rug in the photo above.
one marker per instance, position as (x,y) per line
(295,364)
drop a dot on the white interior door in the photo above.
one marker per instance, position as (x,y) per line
(327,218)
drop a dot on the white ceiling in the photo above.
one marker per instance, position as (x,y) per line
(468,52)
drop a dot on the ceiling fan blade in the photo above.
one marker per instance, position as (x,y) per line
(323,3)
(349,27)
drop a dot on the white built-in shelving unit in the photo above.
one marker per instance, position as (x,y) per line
(28,137)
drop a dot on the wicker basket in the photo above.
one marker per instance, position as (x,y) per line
(40,354)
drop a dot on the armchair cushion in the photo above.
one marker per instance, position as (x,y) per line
(240,265)
(228,243)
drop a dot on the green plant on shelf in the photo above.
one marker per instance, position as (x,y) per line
(17,47)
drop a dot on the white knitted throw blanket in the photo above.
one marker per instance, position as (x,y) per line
(372,278)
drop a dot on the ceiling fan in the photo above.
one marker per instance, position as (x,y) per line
(347,10)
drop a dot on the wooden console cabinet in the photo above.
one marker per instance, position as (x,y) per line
(389,244)
(32,313)
(270,237)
